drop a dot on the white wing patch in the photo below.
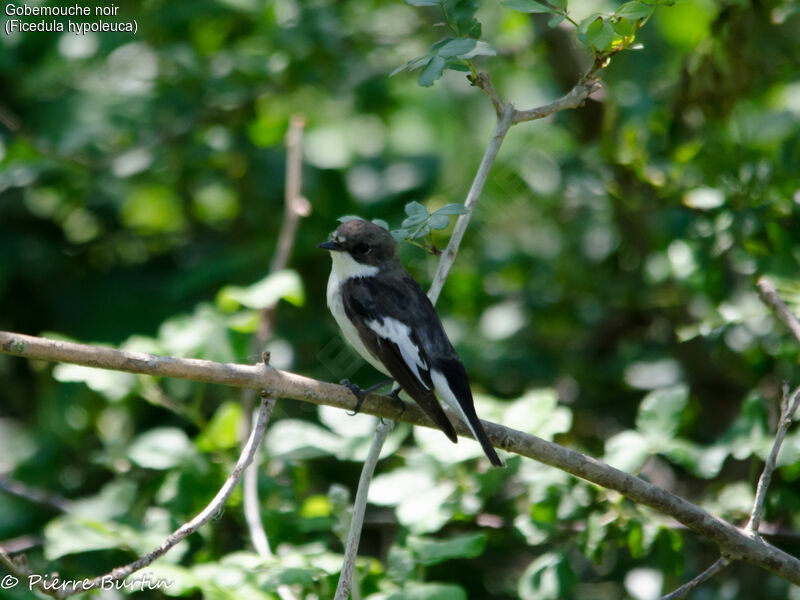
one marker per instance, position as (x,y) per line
(399,333)
(445,393)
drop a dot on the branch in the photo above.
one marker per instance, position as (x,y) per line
(483,81)
(449,255)
(687,587)
(188,528)
(359,508)
(15,488)
(20,570)
(732,541)
(789,404)
(771,298)
(572,99)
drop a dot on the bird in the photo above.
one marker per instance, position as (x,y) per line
(387,318)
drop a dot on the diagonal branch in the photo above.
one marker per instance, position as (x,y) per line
(770,297)
(789,404)
(731,540)
(687,587)
(359,508)
(21,490)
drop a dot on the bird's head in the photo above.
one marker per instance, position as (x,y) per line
(365,242)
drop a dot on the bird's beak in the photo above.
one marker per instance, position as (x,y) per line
(330,245)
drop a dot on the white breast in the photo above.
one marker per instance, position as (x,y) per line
(344,267)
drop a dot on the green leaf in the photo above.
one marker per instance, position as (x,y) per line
(424,2)
(627,451)
(114,385)
(452,209)
(556,20)
(457,47)
(549,577)
(69,535)
(414,220)
(414,63)
(429,591)
(221,432)
(599,34)
(284,285)
(537,412)
(420,232)
(415,208)
(481,49)
(527,6)
(160,448)
(439,221)
(299,440)
(399,234)
(583,26)
(381,223)
(633,10)
(623,27)
(660,412)
(430,552)
(432,71)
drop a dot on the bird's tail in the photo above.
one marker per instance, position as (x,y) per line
(455,391)
(476,427)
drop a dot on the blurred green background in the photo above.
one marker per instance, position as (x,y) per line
(603,293)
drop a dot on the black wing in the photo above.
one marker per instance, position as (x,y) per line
(376,299)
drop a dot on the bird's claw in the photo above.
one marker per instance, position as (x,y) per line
(357,392)
(395,396)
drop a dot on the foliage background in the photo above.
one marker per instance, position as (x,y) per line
(603,294)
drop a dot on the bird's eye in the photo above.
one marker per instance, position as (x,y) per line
(362,249)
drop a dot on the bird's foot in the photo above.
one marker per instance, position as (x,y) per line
(357,392)
(361,394)
(395,396)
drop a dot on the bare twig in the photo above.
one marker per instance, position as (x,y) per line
(483,81)
(19,569)
(771,298)
(687,587)
(789,404)
(21,490)
(198,521)
(449,255)
(282,384)
(359,508)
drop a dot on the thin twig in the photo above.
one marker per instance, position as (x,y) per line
(483,81)
(20,570)
(359,508)
(789,404)
(202,518)
(283,384)
(21,490)
(687,587)
(449,255)
(771,298)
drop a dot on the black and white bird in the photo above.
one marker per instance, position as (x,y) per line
(391,323)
